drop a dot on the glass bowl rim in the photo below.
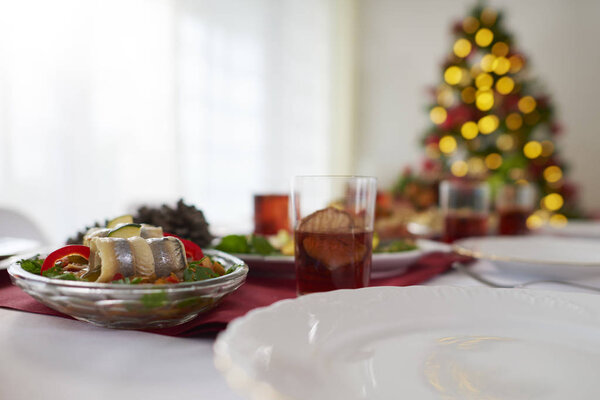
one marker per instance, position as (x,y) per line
(17,272)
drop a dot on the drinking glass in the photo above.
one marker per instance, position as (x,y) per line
(333,220)
(271,213)
(514,203)
(465,206)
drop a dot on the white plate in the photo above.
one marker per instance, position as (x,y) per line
(384,264)
(550,256)
(582,229)
(9,246)
(417,343)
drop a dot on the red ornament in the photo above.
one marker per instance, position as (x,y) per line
(569,191)
(510,103)
(556,128)
(457,27)
(429,165)
(457,116)
(432,139)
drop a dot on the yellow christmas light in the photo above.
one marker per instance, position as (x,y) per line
(552,202)
(553,174)
(484,37)
(501,65)
(487,62)
(558,220)
(469,130)
(516,174)
(488,124)
(516,63)
(484,81)
(459,168)
(447,144)
(484,100)
(547,148)
(438,115)
(527,104)
(475,70)
(493,161)
(445,96)
(532,149)
(468,94)
(470,24)
(476,166)
(505,142)
(500,49)
(462,48)
(505,85)
(488,16)
(534,222)
(514,121)
(453,75)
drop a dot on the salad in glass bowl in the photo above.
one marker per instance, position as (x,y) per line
(128,275)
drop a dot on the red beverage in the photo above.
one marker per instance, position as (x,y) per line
(270,214)
(513,221)
(461,225)
(330,261)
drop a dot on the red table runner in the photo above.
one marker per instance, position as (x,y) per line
(256,292)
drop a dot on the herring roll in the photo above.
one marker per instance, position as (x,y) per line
(136,257)
(169,256)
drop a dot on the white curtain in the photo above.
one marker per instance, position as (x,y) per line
(105,105)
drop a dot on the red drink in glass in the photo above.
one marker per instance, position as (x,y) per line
(513,221)
(270,213)
(330,261)
(461,225)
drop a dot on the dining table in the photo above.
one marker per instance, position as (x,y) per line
(48,357)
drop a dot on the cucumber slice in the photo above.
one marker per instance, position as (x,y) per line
(123,219)
(126,231)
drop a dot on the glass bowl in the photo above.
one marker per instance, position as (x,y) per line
(141,306)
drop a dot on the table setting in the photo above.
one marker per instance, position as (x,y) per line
(277,331)
(233,200)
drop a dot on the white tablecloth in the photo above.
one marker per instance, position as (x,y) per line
(44,357)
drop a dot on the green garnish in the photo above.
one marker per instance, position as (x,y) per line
(261,245)
(32,265)
(56,272)
(240,244)
(234,244)
(128,281)
(196,272)
(396,246)
(231,269)
(154,300)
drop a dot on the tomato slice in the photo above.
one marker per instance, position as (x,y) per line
(192,250)
(73,250)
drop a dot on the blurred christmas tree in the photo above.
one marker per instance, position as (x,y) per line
(492,121)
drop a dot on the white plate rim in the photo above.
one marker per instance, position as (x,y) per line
(397,255)
(460,248)
(246,385)
(378,266)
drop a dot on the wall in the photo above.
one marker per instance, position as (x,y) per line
(402,43)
